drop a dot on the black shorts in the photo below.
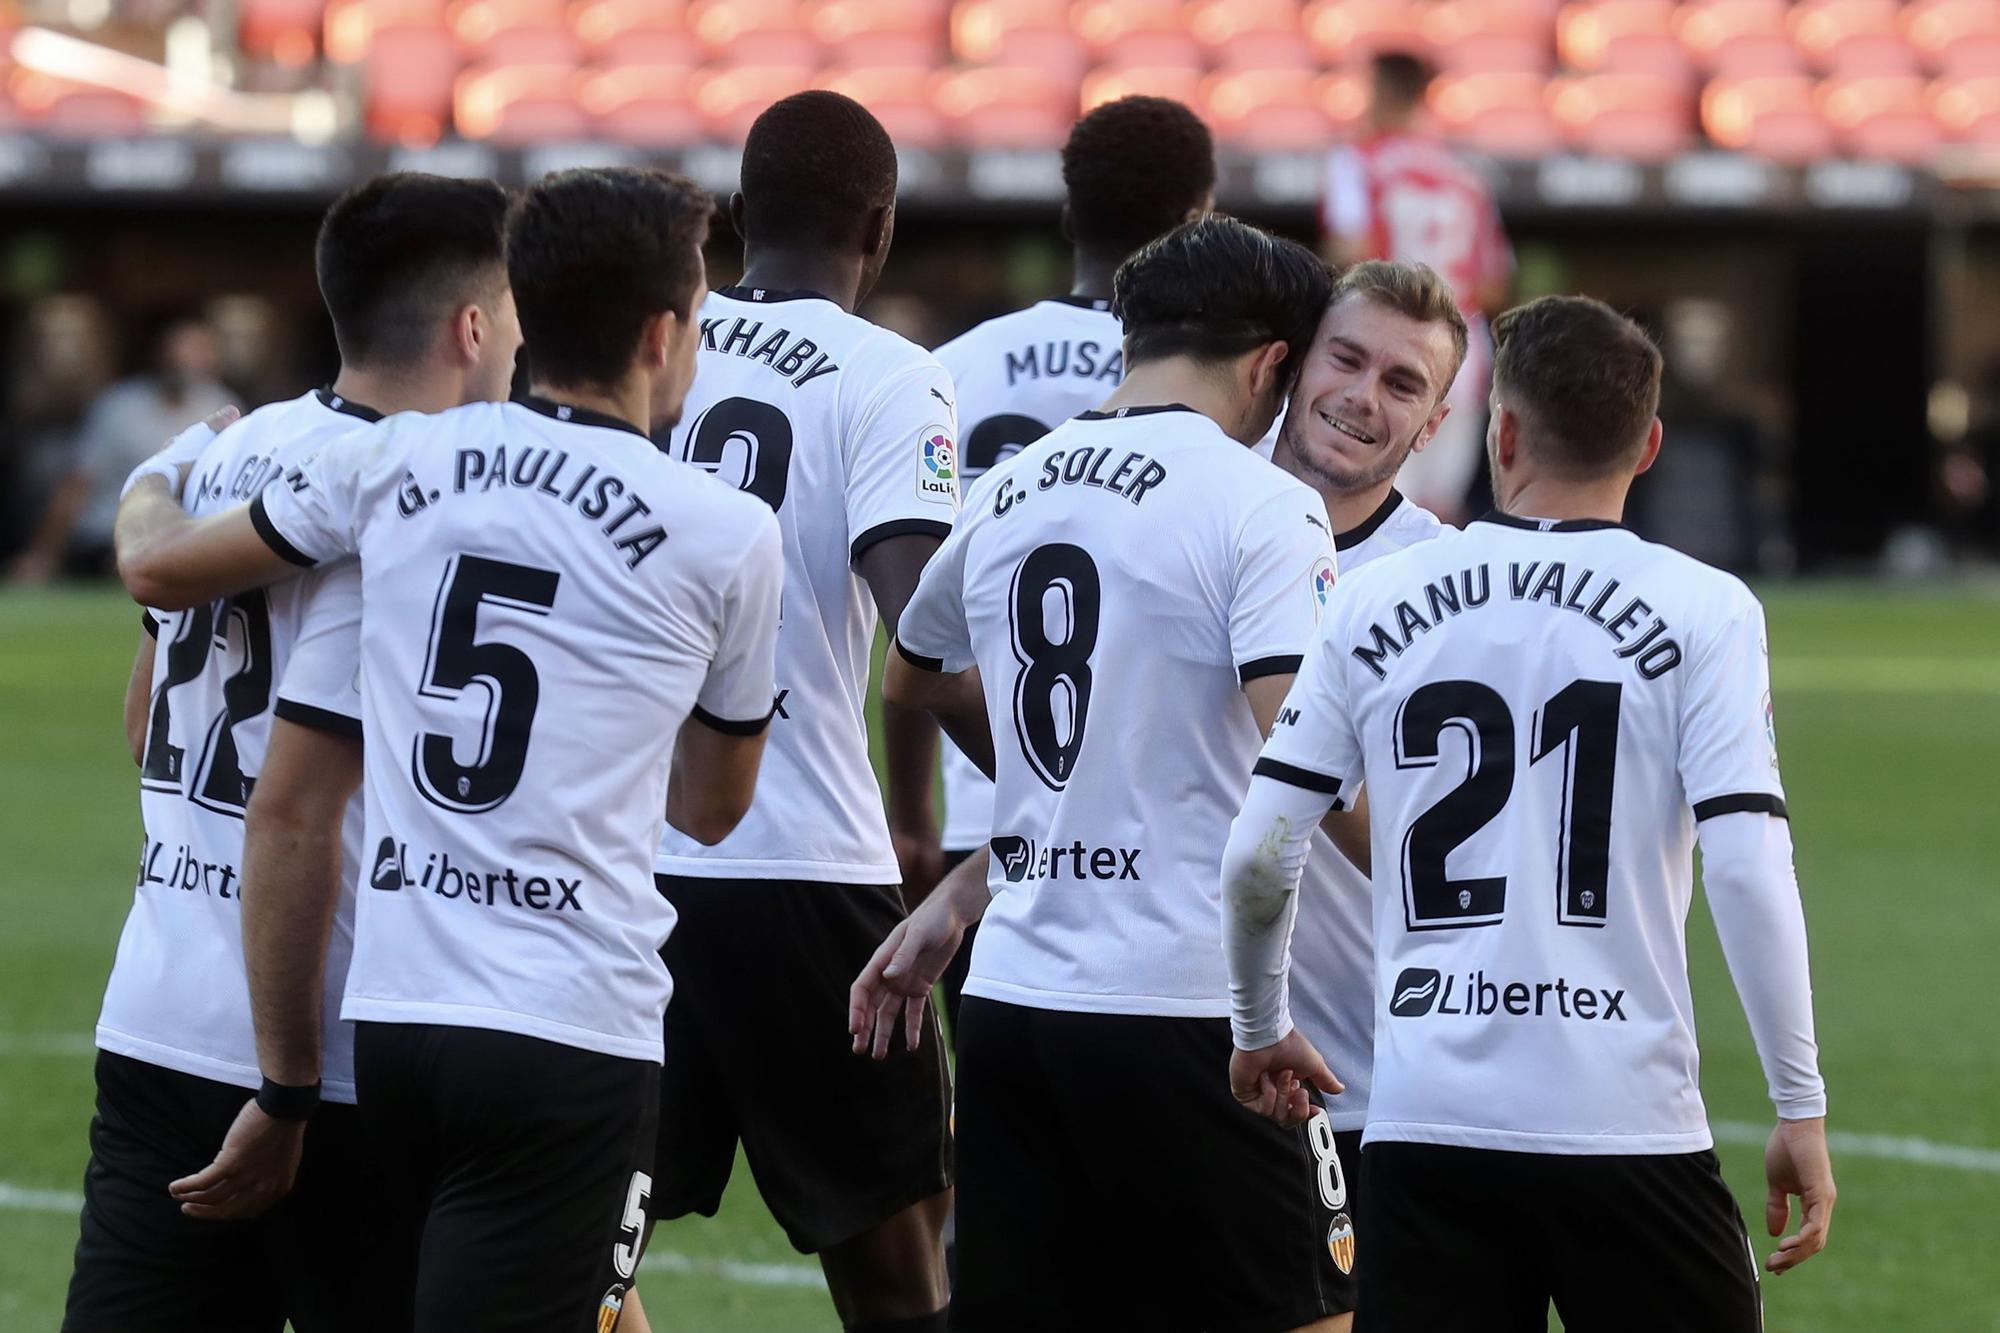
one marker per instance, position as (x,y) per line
(1465,1239)
(1107,1179)
(143,1266)
(952,984)
(520,1165)
(758,1053)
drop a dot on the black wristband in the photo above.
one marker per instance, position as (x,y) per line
(282,1102)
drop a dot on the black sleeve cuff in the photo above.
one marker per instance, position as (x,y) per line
(729,726)
(1270,666)
(901,527)
(150,623)
(1303,778)
(1751,802)
(319,719)
(274,538)
(918,660)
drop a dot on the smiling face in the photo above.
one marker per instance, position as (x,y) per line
(1371,391)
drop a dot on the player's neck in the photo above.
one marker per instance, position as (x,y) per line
(1350,509)
(389,392)
(1093,277)
(1548,497)
(836,277)
(629,401)
(1177,379)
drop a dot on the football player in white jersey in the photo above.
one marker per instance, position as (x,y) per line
(1132,169)
(1546,711)
(1373,390)
(1135,589)
(849,432)
(257,692)
(554,614)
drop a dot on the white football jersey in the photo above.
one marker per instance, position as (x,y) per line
(1541,711)
(1122,579)
(849,432)
(178,996)
(1019,377)
(546,598)
(1333,945)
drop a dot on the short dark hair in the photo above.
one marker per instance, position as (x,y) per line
(593,254)
(1586,378)
(815,165)
(1135,168)
(1215,288)
(1400,77)
(399,253)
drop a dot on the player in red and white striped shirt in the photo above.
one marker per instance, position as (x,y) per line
(1400,193)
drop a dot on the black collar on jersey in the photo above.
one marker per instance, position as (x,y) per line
(766,295)
(1133,412)
(1547,525)
(1365,529)
(582,416)
(333,401)
(1084,302)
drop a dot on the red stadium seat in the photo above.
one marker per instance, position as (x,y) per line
(351,24)
(1773,115)
(286,31)
(1626,115)
(1853,36)
(407,78)
(651,33)
(1251,34)
(1006,106)
(653,107)
(1738,37)
(1623,37)
(1017,34)
(1179,82)
(1343,95)
(1502,114)
(522,104)
(759,33)
(515,32)
(729,100)
(1882,116)
(1968,109)
(1488,36)
(899,96)
(1348,32)
(74,110)
(1269,110)
(1958,37)
(1136,32)
(881,33)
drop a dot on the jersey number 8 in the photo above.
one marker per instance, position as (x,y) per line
(1056,587)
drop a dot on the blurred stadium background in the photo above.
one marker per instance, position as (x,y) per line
(1802,199)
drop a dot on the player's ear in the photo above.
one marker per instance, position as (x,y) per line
(1506,435)
(736,216)
(881,228)
(1068,226)
(1654,434)
(470,328)
(1430,430)
(656,339)
(1267,364)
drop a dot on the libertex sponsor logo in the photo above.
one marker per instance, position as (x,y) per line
(437,873)
(1420,991)
(1022,859)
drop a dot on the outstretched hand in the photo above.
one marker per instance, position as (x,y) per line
(899,978)
(1273,1081)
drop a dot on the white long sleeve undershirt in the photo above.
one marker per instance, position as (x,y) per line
(1261,868)
(1753,893)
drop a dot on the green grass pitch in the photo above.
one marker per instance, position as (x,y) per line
(1888,714)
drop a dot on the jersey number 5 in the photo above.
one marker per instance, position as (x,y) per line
(457,659)
(1581,720)
(1053,611)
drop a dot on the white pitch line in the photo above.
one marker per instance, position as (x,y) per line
(1894,1147)
(47,1043)
(21,1199)
(805,1276)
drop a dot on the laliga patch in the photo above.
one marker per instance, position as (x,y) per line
(1322,581)
(1771,730)
(937,466)
(1340,1242)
